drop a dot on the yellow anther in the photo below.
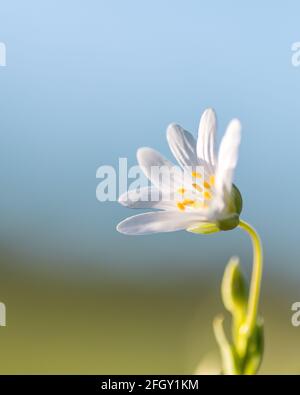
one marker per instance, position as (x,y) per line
(195,174)
(188,202)
(181,206)
(212,180)
(196,186)
(206,185)
(206,195)
(181,191)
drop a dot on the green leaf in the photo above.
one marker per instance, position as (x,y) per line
(230,363)
(234,296)
(234,289)
(255,349)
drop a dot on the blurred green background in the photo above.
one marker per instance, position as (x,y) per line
(97,325)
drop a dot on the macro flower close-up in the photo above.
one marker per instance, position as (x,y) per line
(198,196)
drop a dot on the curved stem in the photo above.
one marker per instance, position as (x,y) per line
(256,276)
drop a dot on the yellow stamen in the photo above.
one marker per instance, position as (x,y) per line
(206,185)
(195,174)
(181,206)
(196,186)
(181,191)
(212,180)
(188,202)
(206,195)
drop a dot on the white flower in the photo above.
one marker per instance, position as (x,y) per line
(200,201)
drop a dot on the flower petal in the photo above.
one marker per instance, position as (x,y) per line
(148,197)
(206,137)
(159,221)
(182,145)
(227,158)
(164,175)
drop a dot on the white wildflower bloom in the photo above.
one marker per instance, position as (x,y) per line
(198,195)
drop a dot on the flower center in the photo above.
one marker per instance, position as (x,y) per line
(199,195)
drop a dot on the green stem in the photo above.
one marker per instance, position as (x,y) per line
(254,291)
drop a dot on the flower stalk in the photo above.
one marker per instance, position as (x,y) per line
(243,354)
(256,276)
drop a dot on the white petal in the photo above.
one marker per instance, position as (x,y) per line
(164,175)
(182,145)
(206,137)
(159,221)
(148,197)
(227,158)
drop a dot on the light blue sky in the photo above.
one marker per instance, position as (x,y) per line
(89,81)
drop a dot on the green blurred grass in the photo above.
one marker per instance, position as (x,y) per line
(67,324)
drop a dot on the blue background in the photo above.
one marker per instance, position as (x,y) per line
(87,82)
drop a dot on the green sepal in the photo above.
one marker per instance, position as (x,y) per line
(204,228)
(233,209)
(229,222)
(236,200)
